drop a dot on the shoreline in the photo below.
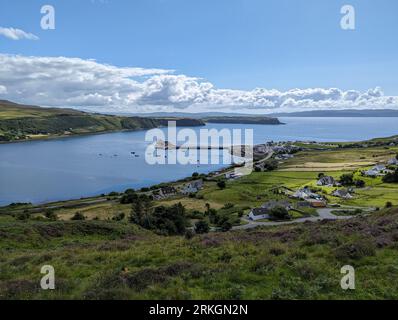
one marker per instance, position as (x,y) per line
(63,136)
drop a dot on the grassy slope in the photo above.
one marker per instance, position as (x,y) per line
(115,260)
(20,122)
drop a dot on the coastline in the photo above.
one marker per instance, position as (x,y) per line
(75,135)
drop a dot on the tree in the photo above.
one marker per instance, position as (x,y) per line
(388,204)
(279,213)
(128,197)
(271,165)
(213,216)
(321,175)
(347,179)
(195,174)
(140,207)
(164,220)
(202,227)
(207,205)
(391,177)
(221,184)
(360,183)
(169,221)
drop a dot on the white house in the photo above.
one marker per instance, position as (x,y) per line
(371,173)
(192,187)
(393,162)
(305,193)
(258,214)
(375,171)
(342,193)
(326,181)
(233,175)
(379,167)
(164,193)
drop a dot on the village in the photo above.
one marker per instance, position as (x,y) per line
(289,203)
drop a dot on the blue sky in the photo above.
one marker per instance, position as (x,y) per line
(232,44)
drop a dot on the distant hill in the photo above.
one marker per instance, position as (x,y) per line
(220,117)
(243,120)
(24,122)
(311,113)
(200,115)
(340,113)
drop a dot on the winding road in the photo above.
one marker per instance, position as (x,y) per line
(324,214)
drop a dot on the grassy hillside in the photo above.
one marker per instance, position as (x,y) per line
(118,260)
(21,122)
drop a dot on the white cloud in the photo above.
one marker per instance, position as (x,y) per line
(79,83)
(17,34)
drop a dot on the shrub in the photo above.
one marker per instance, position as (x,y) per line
(226,226)
(228,206)
(195,215)
(119,217)
(78,216)
(221,184)
(388,204)
(202,227)
(22,216)
(263,264)
(51,215)
(355,250)
(277,250)
(225,257)
(189,234)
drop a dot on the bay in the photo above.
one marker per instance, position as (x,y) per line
(69,168)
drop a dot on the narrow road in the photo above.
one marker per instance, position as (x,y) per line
(324,214)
